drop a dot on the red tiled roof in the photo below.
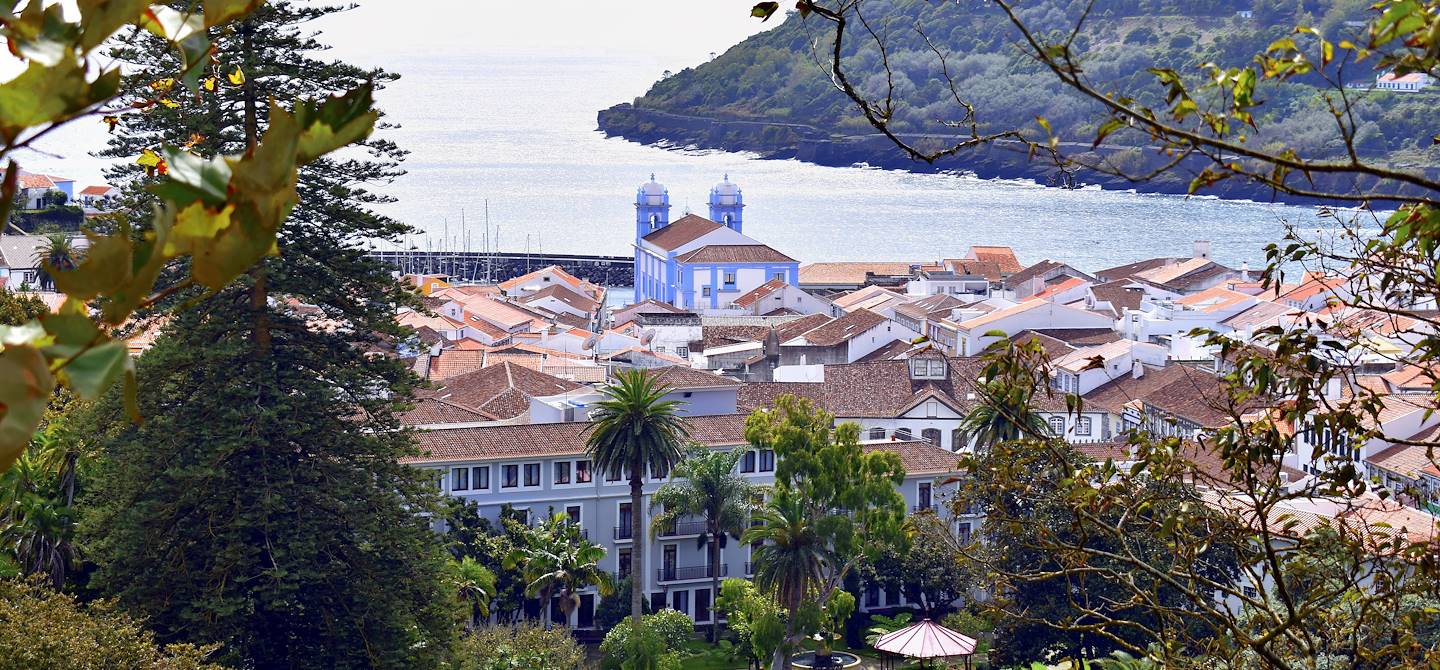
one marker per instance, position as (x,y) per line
(437,411)
(680,377)
(549,439)
(502,390)
(29,180)
(919,457)
(734,253)
(851,273)
(565,295)
(682,231)
(1001,256)
(96,190)
(843,329)
(760,292)
(793,329)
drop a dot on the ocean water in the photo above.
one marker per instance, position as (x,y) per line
(519,131)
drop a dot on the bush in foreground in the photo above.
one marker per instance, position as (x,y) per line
(523,645)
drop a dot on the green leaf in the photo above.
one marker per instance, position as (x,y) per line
(23,397)
(41,34)
(1105,129)
(93,371)
(338,121)
(191,177)
(101,18)
(224,11)
(42,95)
(764,10)
(106,264)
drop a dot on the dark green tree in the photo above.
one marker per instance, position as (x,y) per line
(262,504)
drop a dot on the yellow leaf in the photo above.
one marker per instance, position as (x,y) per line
(148,159)
(211,83)
(163,84)
(237,78)
(169,103)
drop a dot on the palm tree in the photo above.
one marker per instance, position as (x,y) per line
(57,255)
(634,429)
(474,585)
(792,560)
(556,560)
(37,521)
(1003,414)
(708,487)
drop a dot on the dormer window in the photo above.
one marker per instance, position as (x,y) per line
(927,368)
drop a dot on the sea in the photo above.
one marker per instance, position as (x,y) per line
(509,137)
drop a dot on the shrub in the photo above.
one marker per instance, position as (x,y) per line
(42,629)
(522,645)
(662,634)
(1141,35)
(674,627)
(1181,42)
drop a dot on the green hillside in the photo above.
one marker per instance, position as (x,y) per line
(775,76)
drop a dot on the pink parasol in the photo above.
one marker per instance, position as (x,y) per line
(926,639)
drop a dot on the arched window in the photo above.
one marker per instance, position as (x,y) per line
(654,221)
(726,220)
(931,435)
(1057,425)
(877,433)
(959,439)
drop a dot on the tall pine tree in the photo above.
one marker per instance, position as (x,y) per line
(261,504)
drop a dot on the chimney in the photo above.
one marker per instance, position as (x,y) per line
(1245,271)
(1202,249)
(1137,369)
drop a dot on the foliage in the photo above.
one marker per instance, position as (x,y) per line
(662,635)
(558,562)
(43,629)
(58,255)
(635,430)
(927,568)
(754,617)
(518,646)
(969,623)
(707,485)
(881,625)
(611,611)
(222,213)
(833,505)
(17,308)
(474,586)
(471,536)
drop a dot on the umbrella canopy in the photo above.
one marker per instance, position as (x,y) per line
(926,639)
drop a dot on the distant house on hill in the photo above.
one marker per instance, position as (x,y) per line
(98,197)
(1405,83)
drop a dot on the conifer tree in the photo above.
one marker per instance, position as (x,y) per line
(261,504)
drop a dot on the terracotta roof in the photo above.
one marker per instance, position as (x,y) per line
(96,190)
(880,389)
(1185,274)
(918,456)
(793,329)
(851,273)
(1406,460)
(565,295)
(502,390)
(1026,274)
(682,231)
(435,322)
(1057,287)
(1375,522)
(1196,396)
(843,329)
(1260,314)
(1081,359)
(496,312)
(560,273)
(1131,269)
(760,292)
(30,180)
(549,439)
(20,251)
(1114,395)
(734,253)
(1413,377)
(889,352)
(1213,299)
(1120,296)
(429,411)
(1054,347)
(452,362)
(990,270)
(924,307)
(862,295)
(680,377)
(1002,256)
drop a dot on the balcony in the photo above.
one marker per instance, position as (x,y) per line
(622,532)
(673,573)
(683,528)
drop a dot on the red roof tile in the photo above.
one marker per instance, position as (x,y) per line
(682,231)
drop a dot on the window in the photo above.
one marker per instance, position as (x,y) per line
(931,435)
(924,496)
(747,464)
(659,471)
(480,478)
(872,596)
(932,408)
(959,439)
(777,275)
(702,605)
(682,601)
(704,292)
(1057,425)
(683,352)
(562,472)
(460,479)
(612,475)
(624,562)
(962,532)
(511,476)
(573,513)
(1250,591)
(582,472)
(1083,425)
(767,460)
(532,474)
(729,278)
(877,433)
(657,601)
(903,434)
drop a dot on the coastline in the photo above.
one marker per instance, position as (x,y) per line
(775,140)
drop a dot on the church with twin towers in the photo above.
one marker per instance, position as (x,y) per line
(698,263)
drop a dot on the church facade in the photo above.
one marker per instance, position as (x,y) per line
(700,263)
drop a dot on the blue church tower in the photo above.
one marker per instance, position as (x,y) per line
(726,204)
(652,208)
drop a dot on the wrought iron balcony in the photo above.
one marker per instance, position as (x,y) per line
(680,528)
(622,532)
(673,573)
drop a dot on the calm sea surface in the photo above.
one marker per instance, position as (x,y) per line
(520,132)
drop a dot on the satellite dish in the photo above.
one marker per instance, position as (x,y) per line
(590,342)
(646,336)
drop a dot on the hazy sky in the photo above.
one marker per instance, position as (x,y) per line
(676,33)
